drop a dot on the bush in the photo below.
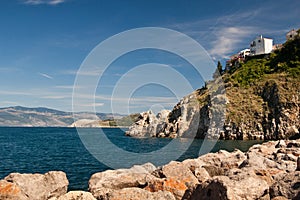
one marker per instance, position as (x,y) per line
(285,60)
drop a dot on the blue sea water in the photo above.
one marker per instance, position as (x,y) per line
(39,150)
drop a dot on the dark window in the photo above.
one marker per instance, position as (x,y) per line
(258,41)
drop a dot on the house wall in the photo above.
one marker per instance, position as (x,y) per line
(268,45)
(261,46)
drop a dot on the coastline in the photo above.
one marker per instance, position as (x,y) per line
(266,171)
(62,127)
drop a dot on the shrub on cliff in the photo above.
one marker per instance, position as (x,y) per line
(285,60)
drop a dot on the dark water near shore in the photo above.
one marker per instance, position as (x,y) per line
(39,150)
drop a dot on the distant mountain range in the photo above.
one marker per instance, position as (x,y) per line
(45,117)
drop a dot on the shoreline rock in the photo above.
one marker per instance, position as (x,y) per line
(266,171)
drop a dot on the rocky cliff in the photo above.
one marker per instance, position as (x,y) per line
(255,99)
(270,171)
(269,109)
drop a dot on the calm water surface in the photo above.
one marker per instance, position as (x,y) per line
(39,150)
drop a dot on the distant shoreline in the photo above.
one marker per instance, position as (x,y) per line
(62,127)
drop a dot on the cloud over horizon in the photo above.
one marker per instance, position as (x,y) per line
(45,75)
(48,2)
(228,39)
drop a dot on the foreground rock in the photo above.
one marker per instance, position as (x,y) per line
(138,194)
(77,195)
(11,191)
(267,171)
(34,186)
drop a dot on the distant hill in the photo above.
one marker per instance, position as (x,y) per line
(45,117)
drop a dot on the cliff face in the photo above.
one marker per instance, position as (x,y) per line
(258,99)
(270,109)
(267,110)
(200,114)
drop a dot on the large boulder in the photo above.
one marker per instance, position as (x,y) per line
(218,163)
(286,185)
(222,187)
(40,186)
(103,183)
(11,191)
(178,179)
(139,194)
(77,195)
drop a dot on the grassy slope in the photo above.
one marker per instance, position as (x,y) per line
(246,85)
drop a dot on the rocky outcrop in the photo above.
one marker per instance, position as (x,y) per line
(200,114)
(270,109)
(102,184)
(35,186)
(266,171)
(150,125)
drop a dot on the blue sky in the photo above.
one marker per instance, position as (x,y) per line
(44,42)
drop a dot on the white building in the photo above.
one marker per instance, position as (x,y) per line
(244,53)
(261,45)
(291,35)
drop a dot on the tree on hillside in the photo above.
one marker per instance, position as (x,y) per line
(219,70)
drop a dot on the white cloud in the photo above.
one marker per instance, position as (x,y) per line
(67,87)
(45,75)
(48,2)
(55,97)
(64,86)
(21,93)
(54,2)
(227,34)
(90,72)
(228,40)
(91,105)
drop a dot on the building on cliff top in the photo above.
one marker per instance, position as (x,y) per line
(261,45)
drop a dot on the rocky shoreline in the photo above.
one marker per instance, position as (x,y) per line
(266,171)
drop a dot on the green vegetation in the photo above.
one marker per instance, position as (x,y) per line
(285,60)
(125,121)
(218,71)
(257,87)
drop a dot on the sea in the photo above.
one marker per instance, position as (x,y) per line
(39,150)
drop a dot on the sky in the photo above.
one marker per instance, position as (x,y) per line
(45,43)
